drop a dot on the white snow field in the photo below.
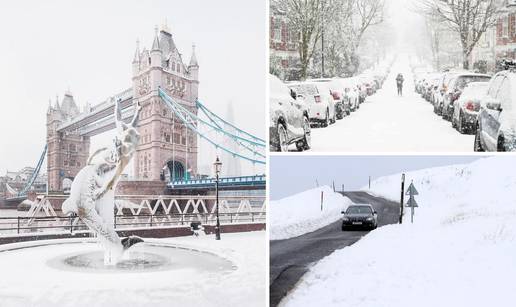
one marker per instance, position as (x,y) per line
(301,213)
(387,122)
(28,280)
(460,250)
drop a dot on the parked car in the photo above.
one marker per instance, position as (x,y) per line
(312,99)
(361,88)
(455,88)
(289,121)
(465,108)
(359,215)
(329,114)
(496,124)
(442,87)
(350,92)
(319,105)
(342,104)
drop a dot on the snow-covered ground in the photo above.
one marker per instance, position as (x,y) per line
(301,213)
(387,122)
(460,250)
(27,280)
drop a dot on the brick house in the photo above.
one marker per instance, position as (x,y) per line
(283,42)
(506,32)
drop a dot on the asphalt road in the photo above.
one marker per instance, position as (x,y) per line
(291,258)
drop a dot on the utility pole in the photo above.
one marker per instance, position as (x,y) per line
(343,187)
(322,43)
(402,194)
(333,185)
(369,182)
(316,183)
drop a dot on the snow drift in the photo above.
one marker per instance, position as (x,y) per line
(301,213)
(460,250)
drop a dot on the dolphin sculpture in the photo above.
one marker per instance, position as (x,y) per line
(92,193)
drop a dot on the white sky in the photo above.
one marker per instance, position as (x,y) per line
(88,46)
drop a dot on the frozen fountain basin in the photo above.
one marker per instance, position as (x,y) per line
(144,257)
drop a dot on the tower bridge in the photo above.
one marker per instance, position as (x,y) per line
(165,141)
(169,125)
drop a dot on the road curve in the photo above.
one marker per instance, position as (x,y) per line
(291,258)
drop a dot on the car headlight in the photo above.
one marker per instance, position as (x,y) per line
(345,218)
(369,218)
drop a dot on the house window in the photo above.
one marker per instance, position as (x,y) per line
(178,68)
(505,27)
(277,31)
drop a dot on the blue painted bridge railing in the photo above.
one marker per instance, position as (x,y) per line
(225,181)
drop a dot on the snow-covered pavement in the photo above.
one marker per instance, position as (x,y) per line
(29,280)
(387,122)
(460,250)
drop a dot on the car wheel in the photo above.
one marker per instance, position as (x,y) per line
(478,143)
(460,126)
(501,144)
(283,138)
(340,113)
(306,143)
(326,121)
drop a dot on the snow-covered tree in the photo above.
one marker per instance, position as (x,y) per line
(468,18)
(306,18)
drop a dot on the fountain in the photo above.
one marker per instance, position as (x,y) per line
(92,199)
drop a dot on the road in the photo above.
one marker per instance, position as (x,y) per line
(387,122)
(291,258)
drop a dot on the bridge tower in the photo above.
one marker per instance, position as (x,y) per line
(166,146)
(67,151)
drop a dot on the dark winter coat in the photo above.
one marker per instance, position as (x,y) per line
(399,79)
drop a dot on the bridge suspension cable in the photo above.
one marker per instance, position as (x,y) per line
(33,177)
(253,147)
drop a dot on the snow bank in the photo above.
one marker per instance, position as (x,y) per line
(459,252)
(301,213)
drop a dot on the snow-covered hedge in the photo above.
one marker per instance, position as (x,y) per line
(301,213)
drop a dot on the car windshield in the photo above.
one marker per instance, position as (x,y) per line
(462,81)
(359,210)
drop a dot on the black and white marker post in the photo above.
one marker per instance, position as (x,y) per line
(411,192)
(401,200)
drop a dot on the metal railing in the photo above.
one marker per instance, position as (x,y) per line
(69,224)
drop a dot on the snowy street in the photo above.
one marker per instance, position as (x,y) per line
(387,122)
(458,252)
(290,259)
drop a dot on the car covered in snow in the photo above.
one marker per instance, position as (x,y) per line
(349,91)
(341,100)
(442,88)
(455,88)
(496,124)
(289,122)
(321,108)
(359,215)
(465,108)
(361,88)
(329,111)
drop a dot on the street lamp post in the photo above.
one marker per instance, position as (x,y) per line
(217,165)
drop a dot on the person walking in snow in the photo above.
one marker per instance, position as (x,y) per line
(399,83)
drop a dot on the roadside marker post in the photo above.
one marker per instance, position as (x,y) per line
(402,193)
(411,191)
(322,198)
